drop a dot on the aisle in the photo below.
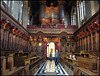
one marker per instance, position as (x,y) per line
(49,68)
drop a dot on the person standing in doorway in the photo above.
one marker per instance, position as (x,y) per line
(56,57)
(51,55)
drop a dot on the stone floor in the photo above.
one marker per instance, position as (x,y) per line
(49,68)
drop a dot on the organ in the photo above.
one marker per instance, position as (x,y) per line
(53,15)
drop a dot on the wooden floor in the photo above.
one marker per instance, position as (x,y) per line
(49,68)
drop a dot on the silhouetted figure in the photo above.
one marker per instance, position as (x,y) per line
(51,55)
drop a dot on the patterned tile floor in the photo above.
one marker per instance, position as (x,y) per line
(49,68)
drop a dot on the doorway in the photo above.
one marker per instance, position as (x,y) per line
(51,48)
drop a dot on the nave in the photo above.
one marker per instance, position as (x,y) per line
(31,31)
(49,68)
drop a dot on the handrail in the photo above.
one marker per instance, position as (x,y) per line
(34,63)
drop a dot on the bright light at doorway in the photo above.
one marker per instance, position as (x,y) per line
(50,46)
(40,44)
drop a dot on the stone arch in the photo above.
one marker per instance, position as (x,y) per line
(63,33)
(39,33)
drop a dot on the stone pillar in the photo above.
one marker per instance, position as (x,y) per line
(61,9)
(10,61)
(88,44)
(92,41)
(78,14)
(42,6)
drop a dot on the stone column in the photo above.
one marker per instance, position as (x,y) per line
(78,14)
(92,41)
(42,6)
(10,61)
(61,9)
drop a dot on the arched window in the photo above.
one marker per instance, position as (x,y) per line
(81,12)
(73,16)
(21,13)
(5,1)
